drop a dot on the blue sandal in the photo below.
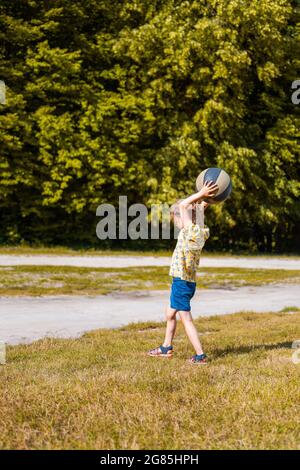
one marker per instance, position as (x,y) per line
(199,359)
(161,351)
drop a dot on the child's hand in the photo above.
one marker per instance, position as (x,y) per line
(209,189)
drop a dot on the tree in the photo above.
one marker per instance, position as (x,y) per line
(136,98)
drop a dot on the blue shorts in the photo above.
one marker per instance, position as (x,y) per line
(181,293)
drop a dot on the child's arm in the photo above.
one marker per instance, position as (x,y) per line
(208,190)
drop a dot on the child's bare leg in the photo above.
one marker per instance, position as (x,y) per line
(191,331)
(171,326)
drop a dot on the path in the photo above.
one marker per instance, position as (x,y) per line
(122,261)
(24,319)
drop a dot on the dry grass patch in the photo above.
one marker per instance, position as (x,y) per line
(102,391)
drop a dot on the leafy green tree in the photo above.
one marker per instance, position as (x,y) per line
(137,97)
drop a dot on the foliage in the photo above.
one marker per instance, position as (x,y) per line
(137,97)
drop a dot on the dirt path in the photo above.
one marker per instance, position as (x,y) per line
(24,319)
(128,261)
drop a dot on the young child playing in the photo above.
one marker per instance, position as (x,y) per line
(185,260)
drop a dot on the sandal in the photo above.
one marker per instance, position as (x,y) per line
(161,351)
(199,359)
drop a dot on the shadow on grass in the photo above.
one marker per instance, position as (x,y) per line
(250,348)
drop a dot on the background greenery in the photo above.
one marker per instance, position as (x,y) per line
(136,97)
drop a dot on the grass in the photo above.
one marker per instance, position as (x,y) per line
(62,280)
(24,249)
(69,251)
(102,392)
(290,309)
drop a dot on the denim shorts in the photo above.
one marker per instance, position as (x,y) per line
(181,293)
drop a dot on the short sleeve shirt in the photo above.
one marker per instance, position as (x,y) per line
(186,255)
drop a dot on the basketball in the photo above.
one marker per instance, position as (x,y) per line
(221,178)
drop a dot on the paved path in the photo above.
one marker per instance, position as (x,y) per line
(24,319)
(127,261)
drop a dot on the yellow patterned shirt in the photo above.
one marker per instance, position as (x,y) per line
(186,256)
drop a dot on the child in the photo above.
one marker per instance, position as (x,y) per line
(185,260)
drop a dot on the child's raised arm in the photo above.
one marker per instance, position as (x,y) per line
(208,190)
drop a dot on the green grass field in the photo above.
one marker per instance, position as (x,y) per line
(102,391)
(60,280)
(68,251)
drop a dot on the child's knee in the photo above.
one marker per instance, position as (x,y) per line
(170,314)
(185,316)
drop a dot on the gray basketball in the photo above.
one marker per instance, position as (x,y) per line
(221,178)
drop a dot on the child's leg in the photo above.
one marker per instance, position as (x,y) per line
(191,331)
(171,326)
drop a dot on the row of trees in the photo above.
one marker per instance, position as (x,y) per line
(136,97)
